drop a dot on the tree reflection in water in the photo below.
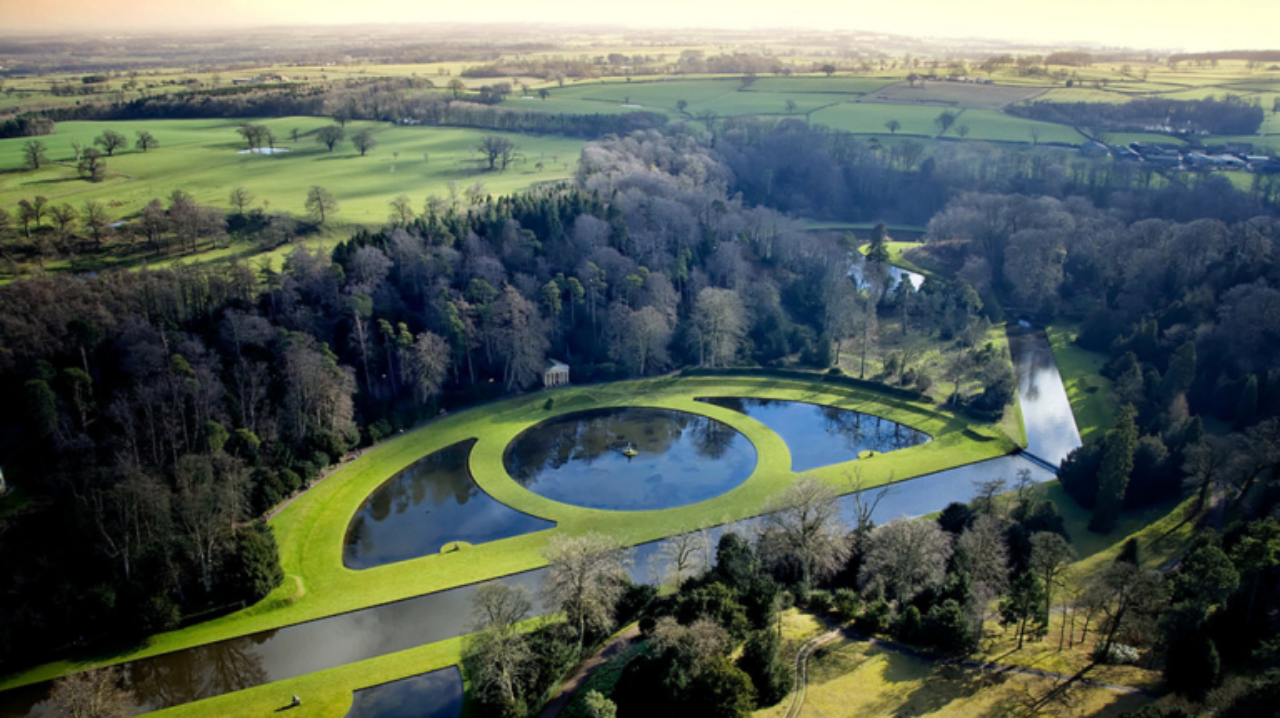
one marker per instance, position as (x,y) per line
(820,435)
(427,506)
(679,458)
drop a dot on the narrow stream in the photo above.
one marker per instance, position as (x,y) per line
(236,664)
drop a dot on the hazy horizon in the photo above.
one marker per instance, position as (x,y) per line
(1139,24)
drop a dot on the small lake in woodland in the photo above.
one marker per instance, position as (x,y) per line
(428,506)
(582,458)
(861,272)
(437,694)
(820,435)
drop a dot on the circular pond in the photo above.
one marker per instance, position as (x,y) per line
(630,459)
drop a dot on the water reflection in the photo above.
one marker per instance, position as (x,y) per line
(428,505)
(202,672)
(678,458)
(866,274)
(437,694)
(823,435)
(1046,410)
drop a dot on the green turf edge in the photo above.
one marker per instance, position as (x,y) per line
(327,693)
(1092,395)
(310,531)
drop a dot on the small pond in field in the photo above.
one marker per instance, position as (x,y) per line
(437,694)
(427,507)
(264,151)
(679,458)
(823,435)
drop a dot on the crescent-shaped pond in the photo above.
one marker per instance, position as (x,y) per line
(428,507)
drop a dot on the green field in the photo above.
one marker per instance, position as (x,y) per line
(202,157)
(997,126)
(870,118)
(841,84)
(312,529)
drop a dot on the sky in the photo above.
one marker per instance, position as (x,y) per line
(1162,24)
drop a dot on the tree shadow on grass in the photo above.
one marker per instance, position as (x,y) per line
(945,684)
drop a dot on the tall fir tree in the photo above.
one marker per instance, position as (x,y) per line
(1117,464)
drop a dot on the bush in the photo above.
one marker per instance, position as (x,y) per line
(635,599)
(820,602)
(255,563)
(876,617)
(947,629)
(1118,655)
(771,677)
(923,382)
(910,625)
(159,613)
(847,604)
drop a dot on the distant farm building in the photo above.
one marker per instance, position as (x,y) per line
(557,374)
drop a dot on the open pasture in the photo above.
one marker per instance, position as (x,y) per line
(953,94)
(203,158)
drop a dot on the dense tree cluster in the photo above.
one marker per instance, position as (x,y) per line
(162,409)
(1229,116)
(814,171)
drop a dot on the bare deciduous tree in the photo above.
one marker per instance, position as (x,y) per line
(321,203)
(803,532)
(906,557)
(401,210)
(585,577)
(34,154)
(497,653)
(718,325)
(92,694)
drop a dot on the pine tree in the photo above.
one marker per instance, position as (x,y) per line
(879,249)
(1117,464)
(1247,407)
(1025,604)
(1182,371)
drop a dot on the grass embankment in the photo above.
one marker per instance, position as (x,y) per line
(1092,397)
(311,531)
(324,694)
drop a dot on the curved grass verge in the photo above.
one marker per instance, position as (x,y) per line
(311,530)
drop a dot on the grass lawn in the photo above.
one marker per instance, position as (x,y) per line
(1092,398)
(870,118)
(203,157)
(853,678)
(311,531)
(997,126)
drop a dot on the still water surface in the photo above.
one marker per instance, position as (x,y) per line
(820,435)
(431,504)
(189,675)
(680,458)
(437,694)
